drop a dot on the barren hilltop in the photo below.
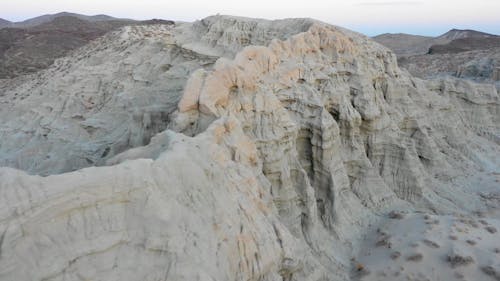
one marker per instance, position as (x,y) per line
(32,45)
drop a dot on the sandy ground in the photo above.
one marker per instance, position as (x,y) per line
(420,246)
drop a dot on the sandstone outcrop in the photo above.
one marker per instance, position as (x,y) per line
(278,143)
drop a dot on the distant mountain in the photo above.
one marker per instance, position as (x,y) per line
(464,33)
(407,44)
(4,23)
(34,47)
(47,18)
(458,41)
(467,54)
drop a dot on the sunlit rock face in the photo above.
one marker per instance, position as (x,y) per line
(229,149)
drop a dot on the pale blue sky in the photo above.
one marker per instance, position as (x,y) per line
(427,17)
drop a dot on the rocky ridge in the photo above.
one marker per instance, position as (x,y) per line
(285,141)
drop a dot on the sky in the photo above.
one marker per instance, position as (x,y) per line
(371,17)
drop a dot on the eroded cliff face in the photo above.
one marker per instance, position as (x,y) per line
(193,214)
(334,106)
(115,93)
(277,157)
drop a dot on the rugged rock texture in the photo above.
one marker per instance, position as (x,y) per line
(111,95)
(193,214)
(286,140)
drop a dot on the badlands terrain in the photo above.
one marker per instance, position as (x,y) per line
(232,148)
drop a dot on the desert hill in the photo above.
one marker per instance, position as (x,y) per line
(465,45)
(405,44)
(4,23)
(460,53)
(29,49)
(408,45)
(455,34)
(50,17)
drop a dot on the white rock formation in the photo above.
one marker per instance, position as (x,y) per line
(115,93)
(279,154)
(193,214)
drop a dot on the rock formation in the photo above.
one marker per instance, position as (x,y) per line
(230,149)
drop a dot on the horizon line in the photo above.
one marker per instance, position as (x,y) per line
(353,26)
